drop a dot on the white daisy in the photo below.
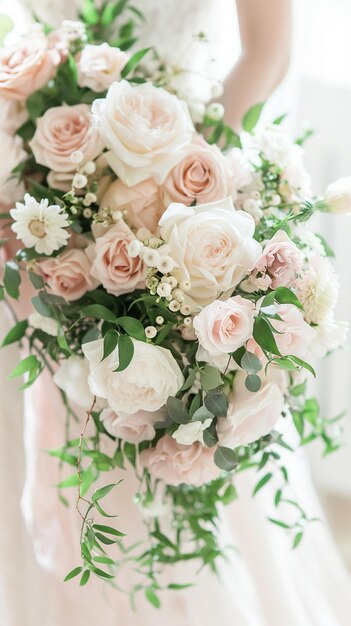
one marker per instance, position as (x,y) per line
(318,289)
(39,225)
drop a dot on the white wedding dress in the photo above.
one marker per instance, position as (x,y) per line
(263,582)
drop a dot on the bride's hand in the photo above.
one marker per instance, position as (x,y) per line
(265,33)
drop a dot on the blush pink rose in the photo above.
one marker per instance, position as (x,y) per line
(223,327)
(61,131)
(250,415)
(68,275)
(201,175)
(111,264)
(142,203)
(132,428)
(26,66)
(13,114)
(295,335)
(99,66)
(281,260)
(175,463)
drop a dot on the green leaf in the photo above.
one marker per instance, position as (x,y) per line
(327,249)
(201,414)
(110,342)
(297,540)
(73,67)
(229,495)
(210,378)
(105,540)
(6,26)
(278,522)
(177,411)
(299,422)
(283,295)
(151,597)
(71,481)
(91,335)
(125,352)
(134,61)
(302,363)
(278,497)
(104,559)
(253,383)
(12,279)
(64,456)
(89,12)
(73,573)
(108,529)
(210,435)
(251,363)
(102,511)
(252,116)
(280,119)
(261,483)
(100,312)
(112,11)
(177,586)
(36,280)
(85,577)
(132,326)
(130,452)
(102,492)
(263,334)
(189,381)
(41,306)
(238,355)
(28,364)
(225,459)
(101,573)
(298,390)
(16,333)
(217,403)
(268,300)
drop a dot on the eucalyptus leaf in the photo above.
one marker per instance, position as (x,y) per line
(253,383)
(210,378)
(217,403)
(251,363)
(225,458)
(177,411)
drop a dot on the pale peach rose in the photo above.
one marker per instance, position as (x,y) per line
(175,463)
(133,428)
(26,66)
(142,203)
(250,415)
(200,176)
(223,327)
(68,275)
(111,264)
(338,195)
(294,335)
(13,114)
(13,153)
(61,131)
(145,128)
(240,173)
(99,66)
(281,260)
(212,245)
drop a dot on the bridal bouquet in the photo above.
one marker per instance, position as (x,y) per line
(177,294)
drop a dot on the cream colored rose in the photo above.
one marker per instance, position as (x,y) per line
(201,175)
(62,131)
(250,415)
(72,378)
(212,245)
(142,202)
(145,385)
(99,66)
(175,463)
(111,264)
(13,153)
(338,196)
(145,128)
(68,275)
(26,66)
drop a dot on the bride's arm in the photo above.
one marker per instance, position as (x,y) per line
(265,33)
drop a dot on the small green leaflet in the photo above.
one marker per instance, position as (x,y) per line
(252,116)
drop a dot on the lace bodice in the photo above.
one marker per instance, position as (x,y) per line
(199,35)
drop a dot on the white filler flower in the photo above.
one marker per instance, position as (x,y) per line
(47,324)
(39,225)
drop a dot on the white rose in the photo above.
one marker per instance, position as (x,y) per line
(296,181)
(145,385)
(250,415)
(72,378)
(99,66)
(47,324)
(338,196)
(212,245)
(273,144)
(10,188)
(330,335)
(187,434)
(145,129)
(132,428)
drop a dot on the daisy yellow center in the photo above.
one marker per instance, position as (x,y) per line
(37,228)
